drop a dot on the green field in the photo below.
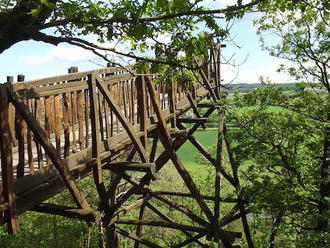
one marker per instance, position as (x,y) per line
(188,153)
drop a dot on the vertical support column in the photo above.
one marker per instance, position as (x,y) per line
(172,94)
(21,127)
(95,125)
(142,107)
(72,99)
(142,113)
(7,162)
(217,181)
(11,113)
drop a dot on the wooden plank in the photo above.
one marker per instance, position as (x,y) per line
(73,123)
(66,123)
(100,116)
(127,126)
(142,107)
(21,132)
(50,150)
(80,111)
(87,117)
(47,103)
(7,163)
(29,148)
(37,111)
(70,77)
(172,103)
(11,116)
(58,123)
(106,111)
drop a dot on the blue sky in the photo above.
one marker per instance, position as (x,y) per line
(37,59)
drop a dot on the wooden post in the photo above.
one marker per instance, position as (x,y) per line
(21,130)
(96,138)
(7,162)
(72,99)
(171,94)
(142,107)
(11,113)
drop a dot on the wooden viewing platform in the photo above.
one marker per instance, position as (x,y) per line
(58,130)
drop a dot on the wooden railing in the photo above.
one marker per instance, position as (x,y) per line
(68,121)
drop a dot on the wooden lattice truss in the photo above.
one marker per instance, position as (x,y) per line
(154,119)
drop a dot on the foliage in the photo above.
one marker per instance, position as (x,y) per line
(153,31)
(280,152)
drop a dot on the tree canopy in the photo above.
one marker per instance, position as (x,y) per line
(142,24)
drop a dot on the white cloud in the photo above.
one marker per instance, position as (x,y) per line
(61,53)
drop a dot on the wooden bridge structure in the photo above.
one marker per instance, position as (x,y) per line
(56,131)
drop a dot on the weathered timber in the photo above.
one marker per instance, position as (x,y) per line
(162,224)
(6,163)
(167,143)
(193,120)
(88,215)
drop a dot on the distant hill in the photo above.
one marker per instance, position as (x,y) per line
(249,87)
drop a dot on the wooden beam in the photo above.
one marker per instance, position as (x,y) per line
(181,194)
(132,166)
(96,141)
(49,148)
(153,149)
(218,168)
(175,133)
(88,215)
(241,206)
(193,120)
(7,162)
(142,107)
(162,224)
(207,105)
(168,145)
(193,104)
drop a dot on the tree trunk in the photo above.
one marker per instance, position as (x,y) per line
(19,24)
